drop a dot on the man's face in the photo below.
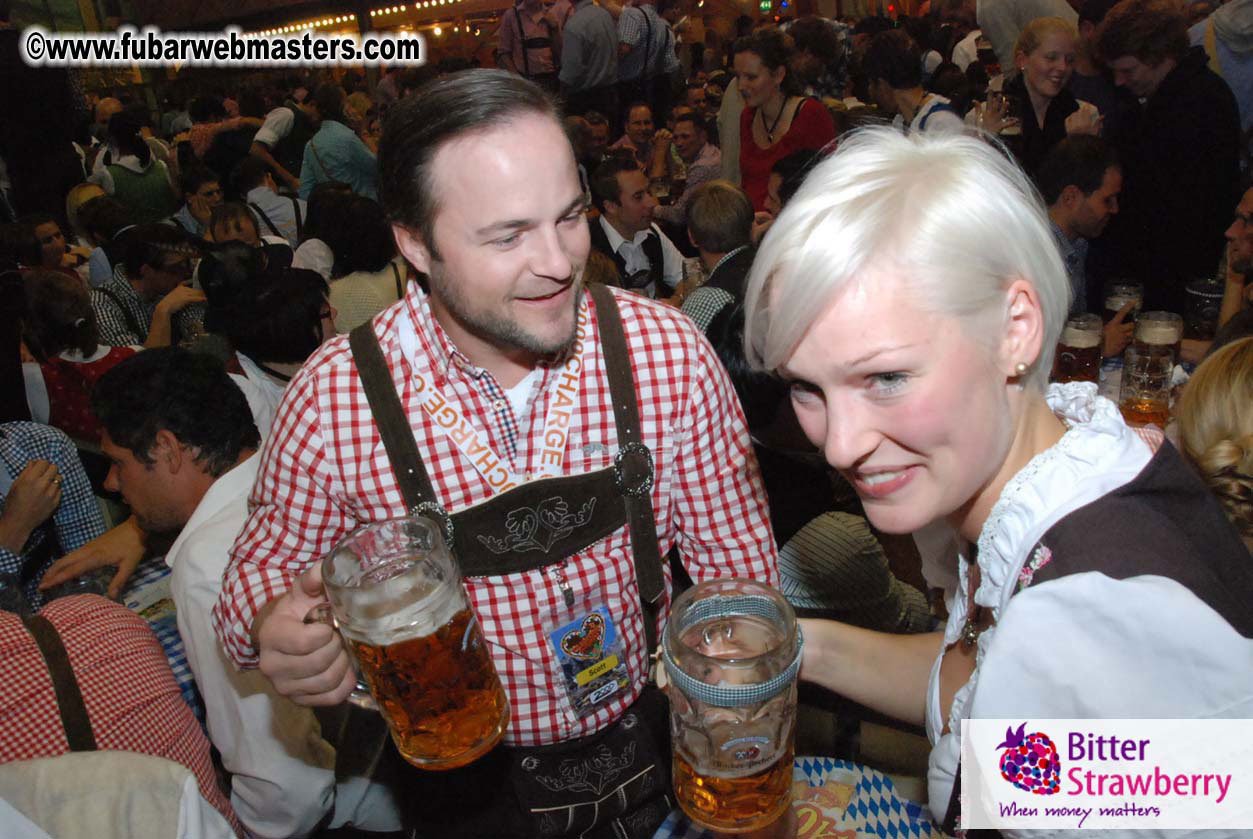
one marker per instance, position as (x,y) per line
(597,140)
(633,211)
(688,139)
(1240,235)
(169,271)
(236,231)
(1094,212)
(696,98)
(511,237)
(51,243)
(1139,78)
(210,193)
(639,128)
(146,489)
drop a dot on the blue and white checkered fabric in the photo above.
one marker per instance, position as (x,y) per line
(875,809)
(148,594)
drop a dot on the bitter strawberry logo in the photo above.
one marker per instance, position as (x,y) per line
(1030,762)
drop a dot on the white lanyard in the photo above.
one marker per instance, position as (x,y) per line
(449,419)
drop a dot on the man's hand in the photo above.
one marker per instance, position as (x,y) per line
(33,497)
(306,662)
(180,298)
(200,209)
(761,223)
(123,546)
(1118,334)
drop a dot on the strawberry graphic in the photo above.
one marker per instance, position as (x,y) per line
(1029,761)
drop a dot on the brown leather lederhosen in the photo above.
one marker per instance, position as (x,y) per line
(543,522)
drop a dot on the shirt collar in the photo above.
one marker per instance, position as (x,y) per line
(725,257)
(615,238)
(257,193)
(236,483)
(1064,242)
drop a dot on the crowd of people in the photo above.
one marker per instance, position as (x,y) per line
(810,279)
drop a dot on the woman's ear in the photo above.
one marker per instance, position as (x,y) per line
(413,248)
(1024,327)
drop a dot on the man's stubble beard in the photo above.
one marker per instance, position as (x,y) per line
(501,331)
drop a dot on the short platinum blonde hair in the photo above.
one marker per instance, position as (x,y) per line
(951,214)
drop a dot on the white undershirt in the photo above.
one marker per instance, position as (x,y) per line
(520,394)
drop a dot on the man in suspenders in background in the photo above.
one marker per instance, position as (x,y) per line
(508,389)
(530,41)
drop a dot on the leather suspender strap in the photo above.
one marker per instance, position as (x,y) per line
(389,416)
(70,703)
(400,286)
(648,575)
(268,223)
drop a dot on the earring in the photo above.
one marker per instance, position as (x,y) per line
(1020,369)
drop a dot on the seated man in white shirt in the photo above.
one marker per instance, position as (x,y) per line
(280,215)
(183,448)
(646,258)
(893,68)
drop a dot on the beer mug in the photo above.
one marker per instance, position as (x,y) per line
(1204,300)
(732,651)
(1119,294)
(1078,356)
(1145,397)
(1160,333)
(397,597)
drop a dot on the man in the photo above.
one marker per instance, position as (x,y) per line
(595,139)
(819,61)
(1235,317)
(147,301)
(589,61)
(530,42)
(1226,35)
(233,222)
(1180,153)
(183,449)
(700,157)
(893,70)
(1079,181)
(646,258)
(646,55)
(280,215)
(1090,82)
(202,191)
(719,223)
(641,134)
(280,141)
(486,203)
(46,508)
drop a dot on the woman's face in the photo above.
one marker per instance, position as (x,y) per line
(51,244)
(1049,66)
(758,83)
(903,402)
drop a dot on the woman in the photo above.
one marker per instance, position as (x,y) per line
(133,175)
(913,295)
(1215,415)
(336,153)
(366,276)
(273,318)
(60,331)
(1045,58)
(775,121)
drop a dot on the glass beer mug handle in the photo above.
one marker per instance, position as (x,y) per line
(360,696)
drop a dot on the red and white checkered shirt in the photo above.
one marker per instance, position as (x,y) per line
(132,700)
(325,472)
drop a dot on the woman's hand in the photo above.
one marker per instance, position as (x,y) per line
(1086,120)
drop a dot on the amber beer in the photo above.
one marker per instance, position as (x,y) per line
(1119,295)
(1078,356)
(1160,334)
(439,692)
(734,805)
(1145,397)
(1139,412)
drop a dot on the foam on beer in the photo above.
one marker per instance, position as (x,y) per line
(406,605)
(1080,339)
(1161,334)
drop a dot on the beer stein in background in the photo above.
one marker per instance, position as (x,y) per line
(732,651)
(1119,294)
(397,597)
(1160,333)
(1078,356)
(1145,397)
(1204,300)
